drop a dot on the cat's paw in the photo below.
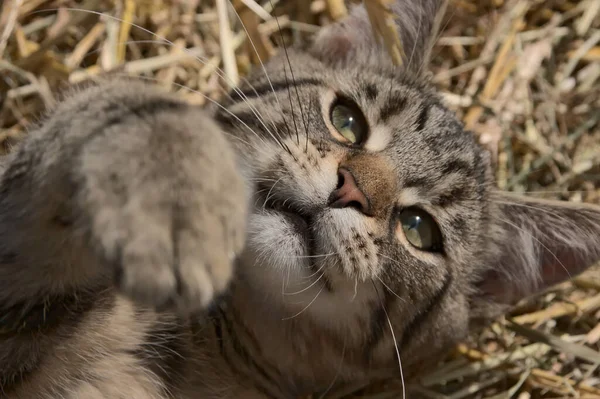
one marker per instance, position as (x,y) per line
(179,257)
(166,208)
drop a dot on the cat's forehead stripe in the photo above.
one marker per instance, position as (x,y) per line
(274,87)
(392,106)
(370,91)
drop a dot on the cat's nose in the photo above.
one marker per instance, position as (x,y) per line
(348,194)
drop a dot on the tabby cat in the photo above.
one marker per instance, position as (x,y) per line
(327,222)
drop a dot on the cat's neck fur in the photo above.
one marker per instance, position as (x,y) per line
(276,357)
(271,354)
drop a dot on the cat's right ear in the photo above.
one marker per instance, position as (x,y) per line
(544,243)
(351,40)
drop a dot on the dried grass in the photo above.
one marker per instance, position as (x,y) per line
(523,74)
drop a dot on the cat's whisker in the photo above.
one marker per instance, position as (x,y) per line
(539,208)
(390,290)
(259,117)
(269,193)
(262,180)
(412,53)
(337,374)
(539,242)
(313,256)
(355,289)
(319,270)
(262,191)
(267,178)
(283,145)
(227,93)
(544,210)
(306,288)
(202,60)
(316,272)
(285,281)
(210,100)
(307,306)
(381,280)
(263,68)
(546,192)
(286,77)
(437,35)
(215,102)
(257,201)
(302,116)
(285,201)
(389,322)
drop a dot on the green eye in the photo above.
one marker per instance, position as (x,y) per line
(420,230)
(349,122)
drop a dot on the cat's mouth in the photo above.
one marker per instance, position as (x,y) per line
(299,219)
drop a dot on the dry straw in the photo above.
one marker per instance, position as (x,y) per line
(523,74)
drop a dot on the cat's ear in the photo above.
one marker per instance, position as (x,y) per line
(547,242)
(351,40)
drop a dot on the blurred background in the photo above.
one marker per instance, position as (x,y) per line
(524,75)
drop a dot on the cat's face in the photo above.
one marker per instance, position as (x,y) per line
(417,189)
(374,209)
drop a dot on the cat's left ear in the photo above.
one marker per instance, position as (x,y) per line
(351,40)
(547,242)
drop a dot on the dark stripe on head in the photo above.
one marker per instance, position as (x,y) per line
(395,104)
(281,127)
(420,182)
(277,86)
(458,224)
(455,194)
(252,119)
(370,91)
(421,316)
(423,116)
(457,165)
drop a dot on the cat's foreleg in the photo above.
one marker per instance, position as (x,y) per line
(124,184)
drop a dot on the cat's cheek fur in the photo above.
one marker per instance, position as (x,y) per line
(273,243)
(346,236)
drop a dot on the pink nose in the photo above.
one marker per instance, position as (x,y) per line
(348,194)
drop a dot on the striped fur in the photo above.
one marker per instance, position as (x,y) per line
(122,218)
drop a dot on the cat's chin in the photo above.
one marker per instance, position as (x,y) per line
(300,261)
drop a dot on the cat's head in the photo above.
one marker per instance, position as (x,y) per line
(374,208)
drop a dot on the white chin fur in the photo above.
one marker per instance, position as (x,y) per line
(275,242)
(277,263)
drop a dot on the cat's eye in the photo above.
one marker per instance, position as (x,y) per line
(420,229)
(349,122)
